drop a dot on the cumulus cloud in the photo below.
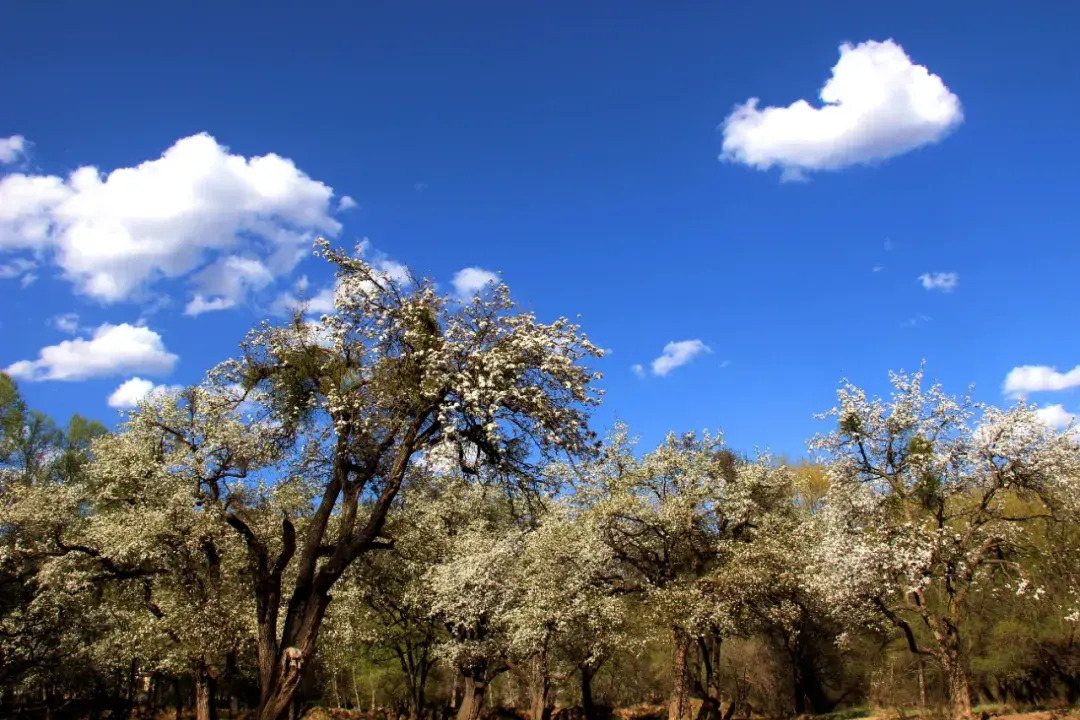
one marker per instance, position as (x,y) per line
(345,203)
(638,369)
(115,233)
(226,282)
(677,354)
(12,148)
(1055,416)
(132,391)
(110,350)
(471,280)
(1039,378)
(877,104)
(943,281)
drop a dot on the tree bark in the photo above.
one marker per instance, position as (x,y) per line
(679,703)
(472,701)
(959,686)
(539,686)
(205,694)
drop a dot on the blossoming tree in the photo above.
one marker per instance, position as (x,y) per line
(677,520)
(359,394)
(931,500)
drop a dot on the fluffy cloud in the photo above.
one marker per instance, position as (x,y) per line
(1039,378)
(877,104)
(132,391)
(111,350)
(470,281)
(12,148)
(1055,416)
(943,281)
(114,234)
(345,203)
(677,354)
(226,282)
(638,369)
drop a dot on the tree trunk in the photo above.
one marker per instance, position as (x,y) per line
(679,703)
(472,701)
(179,698)
(355,691)
(959,687)
(922,683)
(588,707)
(205,694)
(539,686)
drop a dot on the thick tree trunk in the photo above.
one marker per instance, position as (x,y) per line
(959,687)
(539,686)
(472,701)
(679,703)
(205,694)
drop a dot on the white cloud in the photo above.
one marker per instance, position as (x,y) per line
(68,322)
(1055,416)
(877,268)
(132,391)
(943,281)
(226,282)
(114,234)
(470,281)
(877,104)
(111,350)
(345,203)
(677,354)
(1039,378)
(638,369)
(12,148)
(199,304)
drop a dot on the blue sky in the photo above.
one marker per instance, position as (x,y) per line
(575,147)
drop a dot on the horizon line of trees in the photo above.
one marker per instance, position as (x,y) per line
(400,505)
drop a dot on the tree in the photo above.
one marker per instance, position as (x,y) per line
(676,520)
(930,500)
(47,617)
(562,604)
(355,397)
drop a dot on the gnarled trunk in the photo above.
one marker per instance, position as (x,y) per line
(679,703)
(472,700)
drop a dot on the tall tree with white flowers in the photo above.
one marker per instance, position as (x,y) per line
(358,396)
(932,499)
